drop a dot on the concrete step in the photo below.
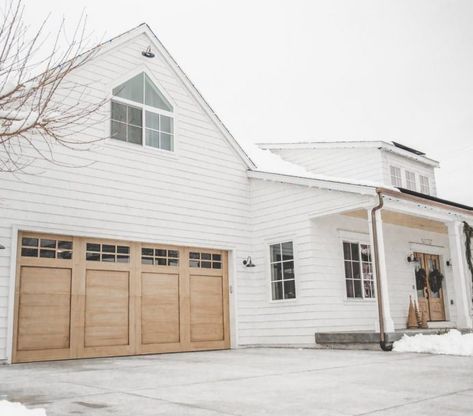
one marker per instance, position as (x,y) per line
(356,338)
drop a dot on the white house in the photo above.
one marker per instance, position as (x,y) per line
(147,243)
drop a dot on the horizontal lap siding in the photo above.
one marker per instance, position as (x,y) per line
(401,274)
(199,196)
(280,212)
(352,163)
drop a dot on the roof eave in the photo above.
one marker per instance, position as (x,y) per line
(313,182)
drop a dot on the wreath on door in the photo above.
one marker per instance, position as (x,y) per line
(420,278)
(435,280)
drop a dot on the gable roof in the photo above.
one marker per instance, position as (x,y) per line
(260,161)
(385,145)
(143,28)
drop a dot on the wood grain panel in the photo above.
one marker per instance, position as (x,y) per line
(207,317)
(74,308)
(159,308)
(106,308)
(44,309)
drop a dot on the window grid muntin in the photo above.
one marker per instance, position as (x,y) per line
(107,252)
(411,180)
(396,177)
(278,286)
(145,107)
(424,184)
(127,123)
(363,265)
(205,260)
(46,248)
(160,256)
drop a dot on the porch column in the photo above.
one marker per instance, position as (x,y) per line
(462,288)
(388,321)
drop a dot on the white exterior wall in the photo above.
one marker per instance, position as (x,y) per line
(352,163)
(419,168)
(282,212)
(399,243)
(199,196)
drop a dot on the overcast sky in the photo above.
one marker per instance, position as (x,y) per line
(319,70)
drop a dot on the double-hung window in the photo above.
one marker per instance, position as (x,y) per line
(411,180)
(396,179)
(283,285)
(358,270)
(424,184)
(141,114)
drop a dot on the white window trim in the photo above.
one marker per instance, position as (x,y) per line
(268,244)
(421,177)
(360,238)
(391,175)
(133,146)
(406,173)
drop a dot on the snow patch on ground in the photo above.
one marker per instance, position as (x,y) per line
(17,409)
(451,343)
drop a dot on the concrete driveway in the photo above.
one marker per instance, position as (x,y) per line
(247,382)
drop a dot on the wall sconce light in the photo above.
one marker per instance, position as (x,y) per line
(448,263)
(412,259)
(248,262)
(2,247)
(147,53)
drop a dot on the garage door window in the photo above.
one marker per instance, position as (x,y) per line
(159,256)
(108,253)
(46,248)
(205,260)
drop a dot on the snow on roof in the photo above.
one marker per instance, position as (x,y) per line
(269,162)
(387,145)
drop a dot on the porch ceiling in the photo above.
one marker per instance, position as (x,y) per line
(404,220)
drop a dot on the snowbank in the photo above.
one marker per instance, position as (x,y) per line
(451,343)
(17,409)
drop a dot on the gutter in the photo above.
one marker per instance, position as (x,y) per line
(385,346)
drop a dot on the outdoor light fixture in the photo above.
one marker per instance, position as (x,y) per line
(448,263)
(147,53)
(412,259)
(248,262)
(2,247)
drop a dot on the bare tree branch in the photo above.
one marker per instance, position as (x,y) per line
(40,106)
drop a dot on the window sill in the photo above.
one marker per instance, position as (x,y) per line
(283,301)
(140,149)
(358,300)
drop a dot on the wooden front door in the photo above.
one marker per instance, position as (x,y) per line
(82,297)
(429,283)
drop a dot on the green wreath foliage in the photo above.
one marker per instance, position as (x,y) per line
(468,229)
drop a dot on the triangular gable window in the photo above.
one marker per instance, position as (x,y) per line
(141,89)
(141,114)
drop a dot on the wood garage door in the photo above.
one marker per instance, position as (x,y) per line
(83,297)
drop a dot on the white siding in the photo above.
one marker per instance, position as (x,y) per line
(199,196)
(282,212)
(418,168)
(399,243)
(350,163)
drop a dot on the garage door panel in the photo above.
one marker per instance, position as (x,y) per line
(44,309)
(109,298)
(159,308)
(107,308)
(207,318)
